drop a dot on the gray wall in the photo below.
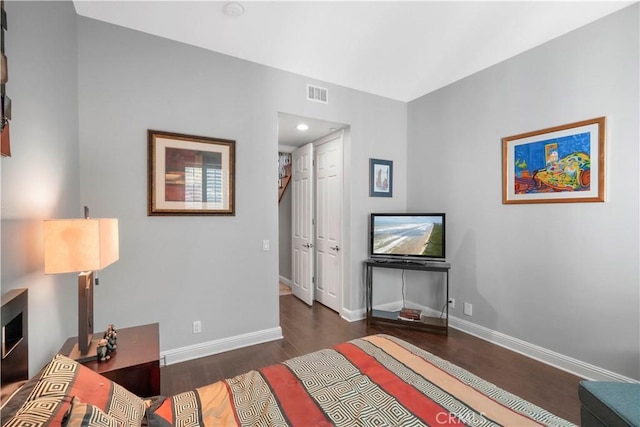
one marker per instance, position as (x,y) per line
(561,276)
(284,222)
(84,95)
(175,270)
(41,179)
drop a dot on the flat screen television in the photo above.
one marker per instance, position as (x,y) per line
(407,236)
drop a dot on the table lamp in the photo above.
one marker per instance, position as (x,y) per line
(81,245)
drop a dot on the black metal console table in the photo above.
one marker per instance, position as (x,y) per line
(433,324)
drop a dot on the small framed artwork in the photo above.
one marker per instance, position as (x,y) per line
(562,164)
(190,175)
(380,178)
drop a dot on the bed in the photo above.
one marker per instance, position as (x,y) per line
(376,380)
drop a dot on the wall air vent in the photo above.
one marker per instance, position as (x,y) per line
(317,94)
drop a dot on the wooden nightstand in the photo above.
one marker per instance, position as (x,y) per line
(135,364)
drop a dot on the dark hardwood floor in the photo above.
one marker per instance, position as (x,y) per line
(308,329)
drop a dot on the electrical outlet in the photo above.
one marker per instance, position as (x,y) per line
(197,326)
(452,303)
(468,309)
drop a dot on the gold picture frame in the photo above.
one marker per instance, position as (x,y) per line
(561,164)
(190,175)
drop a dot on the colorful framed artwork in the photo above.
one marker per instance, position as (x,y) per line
(562,164)
(190,175)
(380,178)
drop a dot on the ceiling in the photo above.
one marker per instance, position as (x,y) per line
(396,49)
(289,137)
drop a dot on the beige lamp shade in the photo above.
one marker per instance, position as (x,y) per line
(72,245)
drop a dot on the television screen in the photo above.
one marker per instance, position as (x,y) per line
(408,236)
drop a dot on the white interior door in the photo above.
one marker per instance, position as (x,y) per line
(328,155)
(302,265)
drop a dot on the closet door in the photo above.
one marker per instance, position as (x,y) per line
(302,232)
(328,168)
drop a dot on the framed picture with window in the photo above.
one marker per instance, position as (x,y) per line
(190,175)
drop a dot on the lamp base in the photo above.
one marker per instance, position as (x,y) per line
(90,355)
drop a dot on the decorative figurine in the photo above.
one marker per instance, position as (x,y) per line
(112,337)
(110,328)
(103,351)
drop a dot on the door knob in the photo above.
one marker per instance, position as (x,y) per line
(335,248)
(308,245)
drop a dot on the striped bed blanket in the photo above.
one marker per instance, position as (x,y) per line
(377,380)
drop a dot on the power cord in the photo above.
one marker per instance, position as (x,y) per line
(443,307)
(404,304)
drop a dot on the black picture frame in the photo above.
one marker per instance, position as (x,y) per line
(380,178)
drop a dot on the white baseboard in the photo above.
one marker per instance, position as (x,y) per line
(541,354)
(361,314)
(209,348)
(552,358)
(353,315)
(569,364)
(285,281)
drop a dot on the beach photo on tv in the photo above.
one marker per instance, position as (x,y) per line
(408,235)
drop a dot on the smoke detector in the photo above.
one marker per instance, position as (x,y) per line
(234,9)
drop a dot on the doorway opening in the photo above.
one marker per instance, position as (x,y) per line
(311,239)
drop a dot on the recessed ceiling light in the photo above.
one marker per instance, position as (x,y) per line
(302,127)
(234,9)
